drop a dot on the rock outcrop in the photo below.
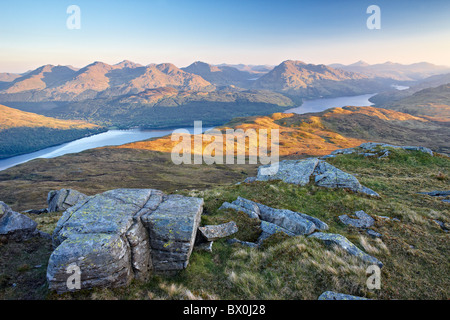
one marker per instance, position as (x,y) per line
(15,226)
(371,149)
(323,174)
(60,200)
(276,220)
(344,243)
(123,234)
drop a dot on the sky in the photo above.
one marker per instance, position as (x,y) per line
(35,33)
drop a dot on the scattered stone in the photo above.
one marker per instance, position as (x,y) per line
(373,233)
(344,243)
(443,225)
(437,193)
(37,212)
(344,151)
(386,153)
(60,200)
(204,246)
(244,243)
(15,226)
(396,219)
(331,295)
(123,234)
(327,156)
(216,232)
(292,222)
(250,179)
(363,221)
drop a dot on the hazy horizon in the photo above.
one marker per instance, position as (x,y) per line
(234,32)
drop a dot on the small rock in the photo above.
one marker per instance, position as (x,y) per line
(244,243)
(331,295)
(374,234)
(363,221)
(215,232)
(205,246)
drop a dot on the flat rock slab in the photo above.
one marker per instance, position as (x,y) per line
(331,295)
(344,243)
(216,232)
(123,234)
(16,226)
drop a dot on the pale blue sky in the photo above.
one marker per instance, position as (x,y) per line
(33,33)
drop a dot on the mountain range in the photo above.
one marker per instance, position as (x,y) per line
(395,71)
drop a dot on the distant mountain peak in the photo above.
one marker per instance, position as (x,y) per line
(360,63)
(127,64)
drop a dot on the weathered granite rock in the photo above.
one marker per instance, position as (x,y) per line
(363,221)
(172,227)
(344,243)
(15,226)
(60,200)
(325,175)
(331,295)
(374,234)
(290,222)
(437,193)
(123,234)
(329,176)
(291,171)
(216,232)
(343,151)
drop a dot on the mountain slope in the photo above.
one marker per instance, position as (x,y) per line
(320,133)
(222,75)
(395,71)
(297,78)
(432,103)
(24,132)
(61,83)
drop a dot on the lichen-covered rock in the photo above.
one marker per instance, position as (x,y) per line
(344,243)
(290,222)
(60,200)
(300,172)
(331,295)
(123,234)
(363,221)
(15,226)
(172,228)
(291,171)
(216,232)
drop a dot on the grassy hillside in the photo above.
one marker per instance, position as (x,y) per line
(24,132)
(414,250)
(432,103)
(320,133)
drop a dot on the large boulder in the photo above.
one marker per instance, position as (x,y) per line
(301,172)
(60,200)
(15,226)
(121,235)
